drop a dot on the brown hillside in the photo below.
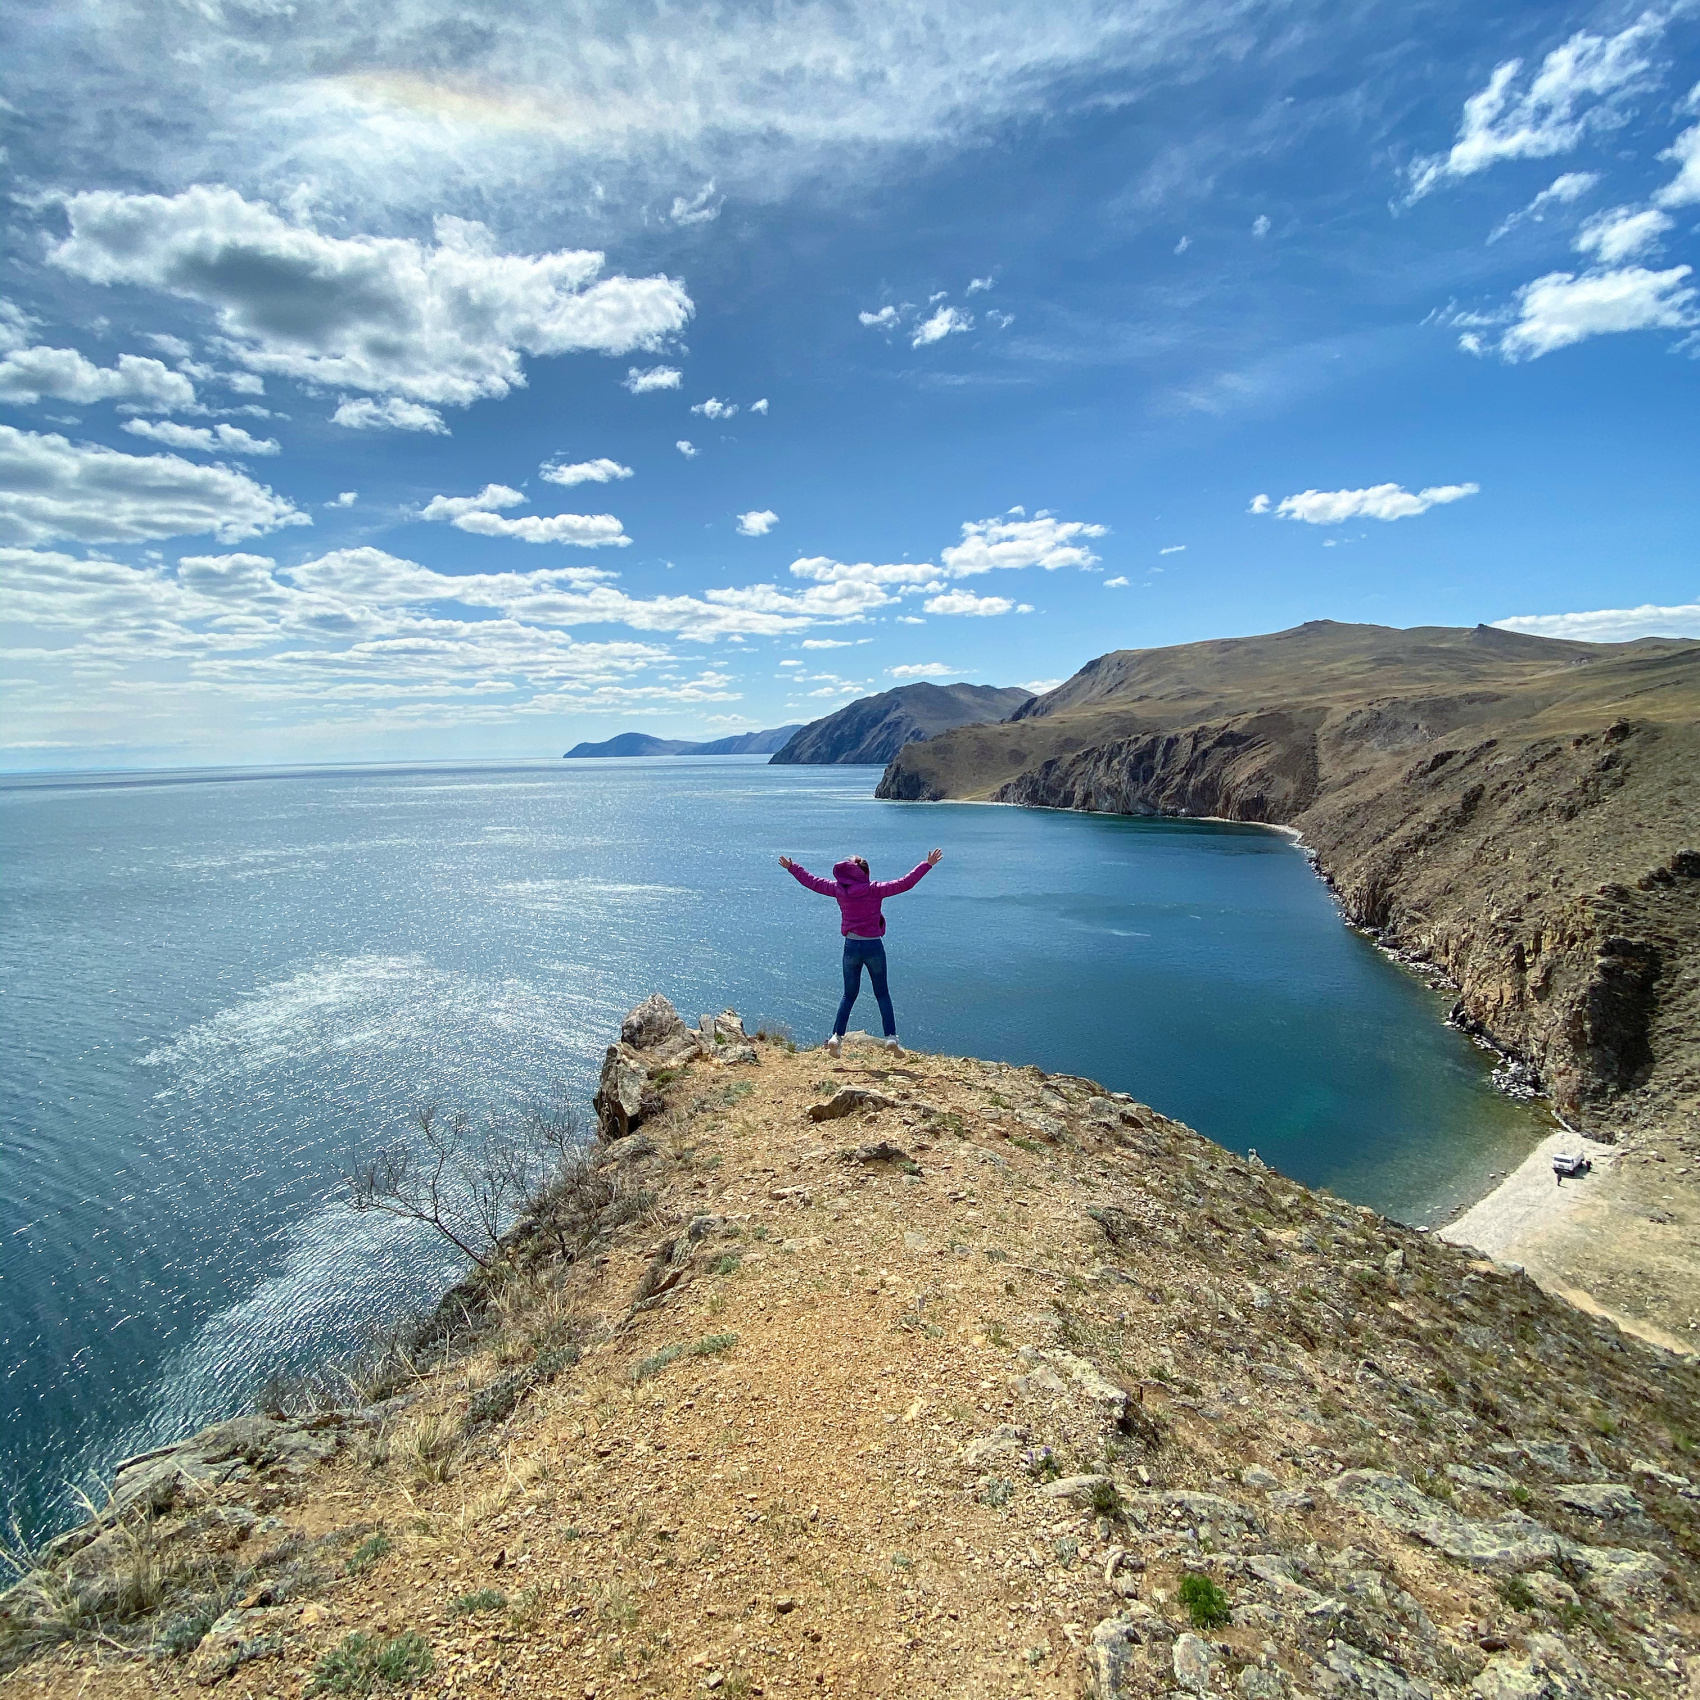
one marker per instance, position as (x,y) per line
(994,1385)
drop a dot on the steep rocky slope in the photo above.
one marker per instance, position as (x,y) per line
(1522,813)
(871,730)
(922,1376)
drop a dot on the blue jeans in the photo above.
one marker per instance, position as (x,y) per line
(868,953)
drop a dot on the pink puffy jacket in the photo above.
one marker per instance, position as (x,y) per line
(858,896)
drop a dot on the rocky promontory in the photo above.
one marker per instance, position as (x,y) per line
(1518,815)
(919,1376)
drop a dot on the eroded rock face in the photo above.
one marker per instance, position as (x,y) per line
(652,1037)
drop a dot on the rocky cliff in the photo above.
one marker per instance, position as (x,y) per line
(1523,814)
(920,1377)
(871,730)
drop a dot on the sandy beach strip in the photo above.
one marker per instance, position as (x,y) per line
(1530,1201)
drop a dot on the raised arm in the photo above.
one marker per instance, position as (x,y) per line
(803,877)
(890,888)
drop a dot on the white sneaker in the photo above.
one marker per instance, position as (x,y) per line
(833,1044)
(891,1044)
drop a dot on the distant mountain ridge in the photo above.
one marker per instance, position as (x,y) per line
(871,730)
(646,744)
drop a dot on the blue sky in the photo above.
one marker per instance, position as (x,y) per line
(408,380)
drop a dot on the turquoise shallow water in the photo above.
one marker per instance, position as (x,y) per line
(216,986)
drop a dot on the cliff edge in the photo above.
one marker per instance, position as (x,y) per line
(1522,814)
(920,1377)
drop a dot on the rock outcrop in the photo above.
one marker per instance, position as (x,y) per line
(1048,1396)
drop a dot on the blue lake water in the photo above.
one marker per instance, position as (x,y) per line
(217,986)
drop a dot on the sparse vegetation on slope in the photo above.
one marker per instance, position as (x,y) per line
(1106,1409)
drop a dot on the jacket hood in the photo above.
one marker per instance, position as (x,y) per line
(849,873)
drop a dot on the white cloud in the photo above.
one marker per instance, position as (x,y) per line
(922,670)
(51,489)
(29,375)
(908,620)
(391,415)
(444,323)
(688,449)
(1581,86)
(1116,583)
(1042,541)
(1173,549)
(976,284)
(758,522)
(827,643)
(999,321)
(700,208)
(1039,686)
(1380,501)
(1560,309)
(1684,189)
(1259,505)
(480,515)
(714,408)
(1182,245)
(488,500)
(600,471)
(885,319)
(795,663)
(1612,625)
(346,499)
(1622,233)
(1563,191)
(966,602)
(587,531)
(1260,225)
(207,439)
(759,406)
(640,380)
(947,321)
(824,570)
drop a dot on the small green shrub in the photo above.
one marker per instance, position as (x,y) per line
(363,1663)
(997,1493)
(1206,1604)
(485,1599)
(727,1264)
(705,1347)
(1105,1501)
(367,1554)
(1517,1594)
(185,1632)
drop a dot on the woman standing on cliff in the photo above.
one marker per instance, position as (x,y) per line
(863,927)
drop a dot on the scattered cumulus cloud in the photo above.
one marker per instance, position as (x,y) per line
(922,670)
(827,643)
(947,321)
(759,406)
(1563,191)
(757,523)
(1612,625)
(52,490)
(1173,549)
(977,284)
(1043,541)
(714,408)
(346,499)
(1580,86)
(1182,245)
(599,471)
(1260,225)
(481,516)
(1622,234)
(1116,583)
(30,375)
(1561,309)
(1379,501)
(999,321)
(640,380)
(966,602)
(205,439)
(885,319)
(443,323)
(392,414)
(687,448)
(1684,189)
